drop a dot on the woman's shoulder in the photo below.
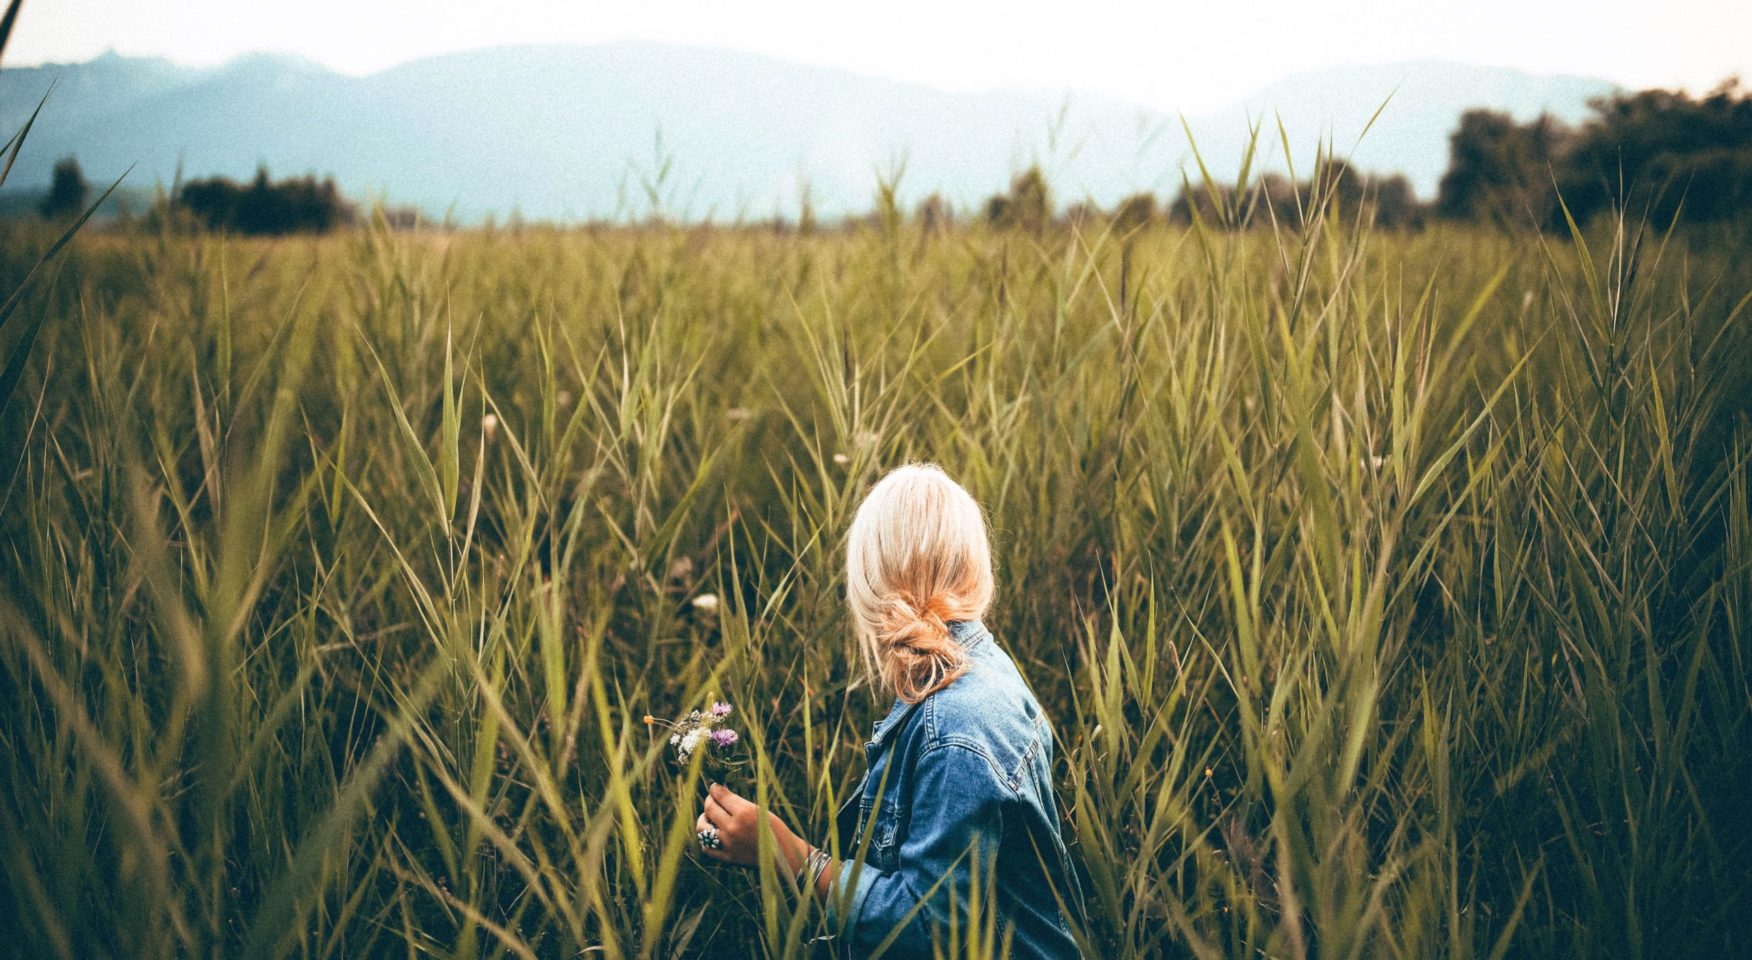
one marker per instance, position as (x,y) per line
(987,713)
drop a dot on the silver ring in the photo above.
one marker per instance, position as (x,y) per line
(710,840)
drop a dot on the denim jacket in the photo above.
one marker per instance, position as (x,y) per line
(966,772)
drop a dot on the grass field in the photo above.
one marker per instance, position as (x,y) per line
(1391,594)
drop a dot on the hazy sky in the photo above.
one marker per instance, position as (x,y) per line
(1187,56)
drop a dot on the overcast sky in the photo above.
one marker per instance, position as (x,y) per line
(1188,56)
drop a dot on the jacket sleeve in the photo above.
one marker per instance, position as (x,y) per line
(956,817)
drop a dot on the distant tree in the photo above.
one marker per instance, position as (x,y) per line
(997,210)
(260,209)
(212,201)
(935,214)
(68,191)
(1207,203)
(1134,212)
(1341,182)
(1275,199)
(1028,205)
(1030,201)
(1657,150)
(1396,204)
(1501,171)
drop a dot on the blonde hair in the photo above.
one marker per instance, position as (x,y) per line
(917,557)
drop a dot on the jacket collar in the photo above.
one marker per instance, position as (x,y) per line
(970,634)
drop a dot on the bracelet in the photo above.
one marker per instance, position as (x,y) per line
(813,865)
(822,859)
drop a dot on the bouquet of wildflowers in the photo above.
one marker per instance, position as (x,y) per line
(702,730)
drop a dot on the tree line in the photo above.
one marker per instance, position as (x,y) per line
(264,206)
(261,207)
(1656,154)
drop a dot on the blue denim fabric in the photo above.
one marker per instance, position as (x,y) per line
(966,772)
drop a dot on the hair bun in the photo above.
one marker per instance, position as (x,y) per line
(924,655)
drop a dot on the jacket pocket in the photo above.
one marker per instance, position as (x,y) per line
(884,846)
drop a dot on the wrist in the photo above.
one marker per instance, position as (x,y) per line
(796,853)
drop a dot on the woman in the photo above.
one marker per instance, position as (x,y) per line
(960,770)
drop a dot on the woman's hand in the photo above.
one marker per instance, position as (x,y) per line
(739,823)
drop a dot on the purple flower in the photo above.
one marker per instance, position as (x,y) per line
(720,709)
(723,738)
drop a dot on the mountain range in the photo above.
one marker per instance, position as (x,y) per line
(621,129)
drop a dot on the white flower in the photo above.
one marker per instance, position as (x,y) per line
(489,426)
(706,603)
(841,459)
(689,742)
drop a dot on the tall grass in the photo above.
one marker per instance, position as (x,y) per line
(1389,593)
